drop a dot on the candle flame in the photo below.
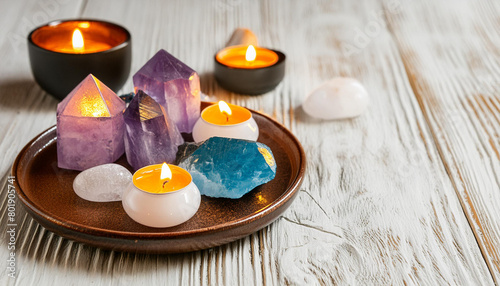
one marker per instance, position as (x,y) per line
(224,108)
(77,40)
(166,173)
(250,54)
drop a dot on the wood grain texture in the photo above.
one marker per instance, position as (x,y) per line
(381,202)
(456,80)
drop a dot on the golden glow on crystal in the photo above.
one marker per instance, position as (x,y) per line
(77,42)
(251,54)
(91,103)
(267,156)
(194,85)
(93,106)
(149,109)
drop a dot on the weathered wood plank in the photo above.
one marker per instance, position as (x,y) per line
(454,62)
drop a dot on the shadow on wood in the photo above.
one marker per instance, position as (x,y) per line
(22,94)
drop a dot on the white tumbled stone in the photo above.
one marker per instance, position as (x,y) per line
(338,98)
(103,183)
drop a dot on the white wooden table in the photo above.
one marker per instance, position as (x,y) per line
(408,193)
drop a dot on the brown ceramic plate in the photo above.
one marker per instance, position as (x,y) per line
(47,194)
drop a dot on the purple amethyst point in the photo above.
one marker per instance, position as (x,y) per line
(174,85)
(89,126)
(151,137)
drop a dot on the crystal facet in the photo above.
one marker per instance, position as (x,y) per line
(104,183)
(227,168)
(338,98)
(89,126)
(151,137)
(173,85)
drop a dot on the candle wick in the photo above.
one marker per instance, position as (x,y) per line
(163,186)
(227,117)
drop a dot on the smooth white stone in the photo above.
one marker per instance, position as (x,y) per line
(103,183)
(339,98)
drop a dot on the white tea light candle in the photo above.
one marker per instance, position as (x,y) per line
(161,195)
(225,120)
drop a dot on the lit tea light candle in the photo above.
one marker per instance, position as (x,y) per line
(247,69)
(161,195)
(247,57)
(62,53)
(161,180)
(77,37)
(225,120)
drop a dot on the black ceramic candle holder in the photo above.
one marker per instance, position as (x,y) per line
(250,81)
(58,72)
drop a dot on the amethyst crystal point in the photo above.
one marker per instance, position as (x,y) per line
(89,126)
(150,136)
(174,85)
(226,167)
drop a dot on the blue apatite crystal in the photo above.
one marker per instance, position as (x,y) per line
(226,167)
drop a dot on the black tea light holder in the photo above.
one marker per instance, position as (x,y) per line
(250,81)
(58,69)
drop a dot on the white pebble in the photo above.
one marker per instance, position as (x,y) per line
(338,98)
(104,183)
